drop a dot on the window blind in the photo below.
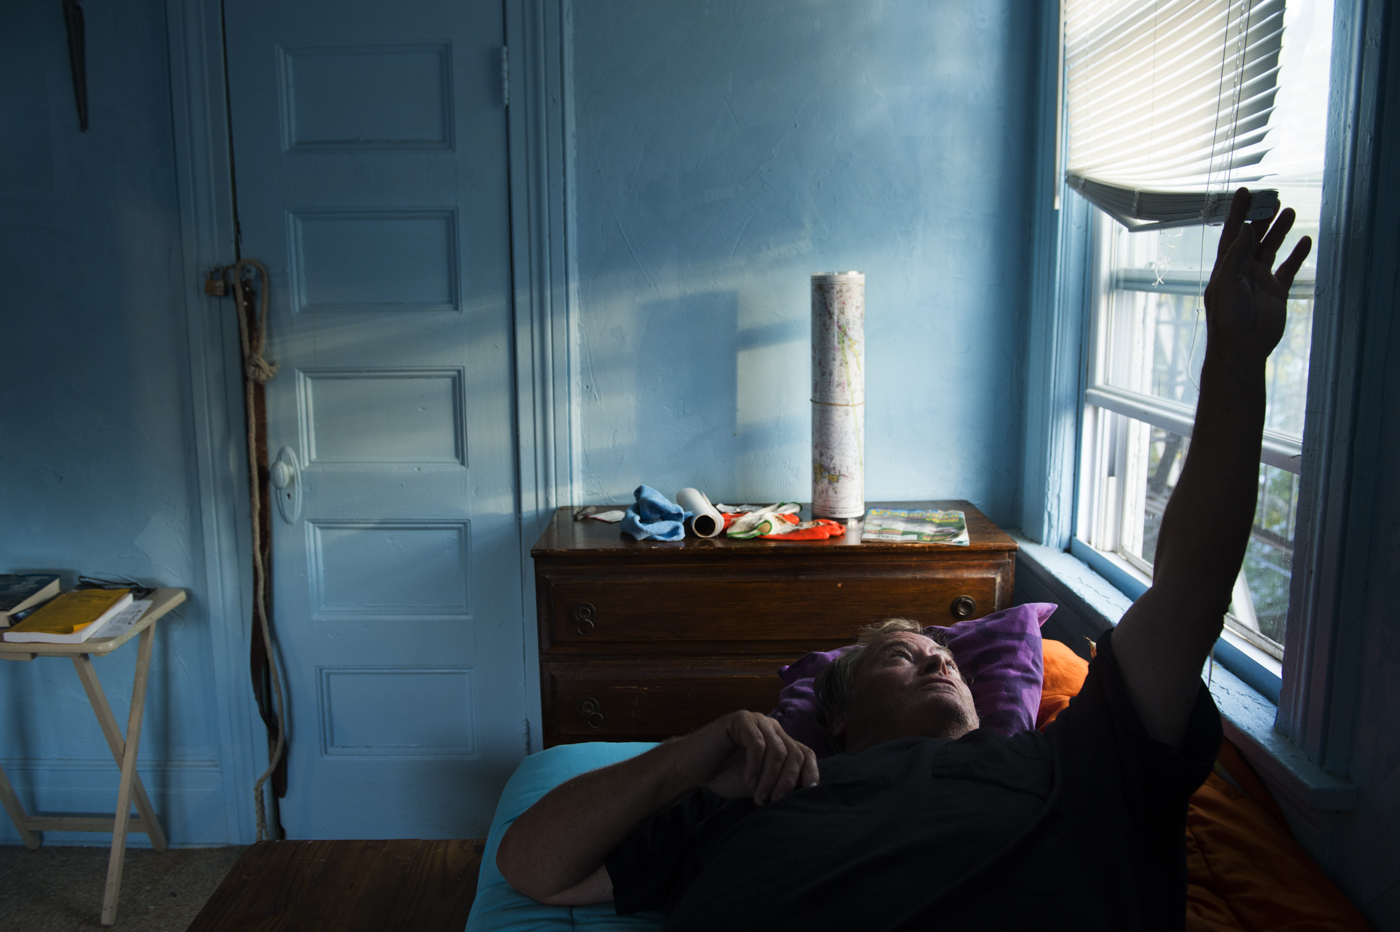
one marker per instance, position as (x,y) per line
(1168,104)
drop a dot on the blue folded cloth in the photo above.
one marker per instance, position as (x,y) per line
(655,515)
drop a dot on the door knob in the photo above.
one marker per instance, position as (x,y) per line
(285,475)
(282,475)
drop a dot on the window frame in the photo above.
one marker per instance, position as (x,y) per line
(1319,690)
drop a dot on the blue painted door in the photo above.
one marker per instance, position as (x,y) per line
(370,167)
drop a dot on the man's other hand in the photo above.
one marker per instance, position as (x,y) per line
(746,754)
(556,851)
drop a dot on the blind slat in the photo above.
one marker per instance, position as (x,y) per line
(1169,103)
(1138,208)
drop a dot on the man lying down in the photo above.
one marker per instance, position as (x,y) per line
(925,821)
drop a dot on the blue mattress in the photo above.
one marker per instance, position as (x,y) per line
(498,907)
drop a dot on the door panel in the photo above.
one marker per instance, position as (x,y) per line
(370,161)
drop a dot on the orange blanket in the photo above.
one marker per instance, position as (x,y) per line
(1244,870)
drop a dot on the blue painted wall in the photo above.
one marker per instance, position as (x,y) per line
(97,471)
(725,152)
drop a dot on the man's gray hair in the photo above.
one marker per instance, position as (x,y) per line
(836,683)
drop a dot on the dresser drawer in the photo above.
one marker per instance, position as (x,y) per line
(651,701)
(591,613)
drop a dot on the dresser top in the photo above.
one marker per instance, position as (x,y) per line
(566,537)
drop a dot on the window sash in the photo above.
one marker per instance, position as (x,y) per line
(1191,283)
(1112,523)
(1114,418)
(1279,450)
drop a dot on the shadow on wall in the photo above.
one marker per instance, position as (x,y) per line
(715,386)
(726,153)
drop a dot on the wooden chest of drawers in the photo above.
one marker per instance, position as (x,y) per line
(642,640)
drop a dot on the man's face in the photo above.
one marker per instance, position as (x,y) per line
(906,686)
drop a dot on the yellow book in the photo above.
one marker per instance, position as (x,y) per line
(70,617)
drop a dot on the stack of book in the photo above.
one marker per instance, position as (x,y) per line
(73,617)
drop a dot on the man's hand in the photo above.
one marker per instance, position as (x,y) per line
(556,851)
(747,754)
(1245,301)
(1164,638)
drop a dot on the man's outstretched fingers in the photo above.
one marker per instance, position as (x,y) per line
(1239,206)
(1269,245)
(1289,267)
(1240,254)
(1261,227)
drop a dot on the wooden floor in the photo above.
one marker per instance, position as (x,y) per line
(354,886)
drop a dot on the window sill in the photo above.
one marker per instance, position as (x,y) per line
(1262,672)
(1095,604)
(1248,717)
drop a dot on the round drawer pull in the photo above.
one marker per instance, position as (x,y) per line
(588,708)
(584,613)
(964,606)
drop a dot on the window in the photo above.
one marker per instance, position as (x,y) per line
(1146,336)
(1147,346)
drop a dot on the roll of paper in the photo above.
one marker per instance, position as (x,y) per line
(838,395)
(707,521)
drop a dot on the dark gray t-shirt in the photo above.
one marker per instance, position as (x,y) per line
(1080,826)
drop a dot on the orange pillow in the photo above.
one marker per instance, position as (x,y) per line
(1064,677)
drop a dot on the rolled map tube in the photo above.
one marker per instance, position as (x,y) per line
(838,395)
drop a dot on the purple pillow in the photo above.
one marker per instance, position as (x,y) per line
(1000,652)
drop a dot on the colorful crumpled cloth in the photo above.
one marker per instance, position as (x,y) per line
(759,521)
(654,515)
(780,522)
(816,529)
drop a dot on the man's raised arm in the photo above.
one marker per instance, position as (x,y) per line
(1164,639)
(556,851)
